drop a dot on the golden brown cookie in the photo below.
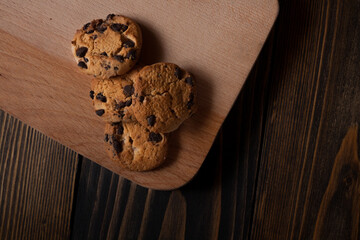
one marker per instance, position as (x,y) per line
(106,48)
(112,97)
(134,147)
(165,96)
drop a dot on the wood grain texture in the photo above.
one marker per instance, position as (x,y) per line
(342,197)
(37,179)
(52,96)
(313,102)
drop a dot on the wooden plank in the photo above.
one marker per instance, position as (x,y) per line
(37,178)
(341,199)
(314,101)
(42,87)
(216,204)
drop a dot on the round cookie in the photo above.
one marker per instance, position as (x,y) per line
(112,97)
(165,96)
(134,147)
(106,48)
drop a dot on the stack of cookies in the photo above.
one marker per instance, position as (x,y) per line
(140,105)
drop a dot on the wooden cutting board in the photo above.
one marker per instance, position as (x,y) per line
(218,41)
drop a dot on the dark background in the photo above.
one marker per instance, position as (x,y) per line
(284,165)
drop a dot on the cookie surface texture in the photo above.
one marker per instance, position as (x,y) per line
(134,147)
(112,97)
(165,96)
(106,48)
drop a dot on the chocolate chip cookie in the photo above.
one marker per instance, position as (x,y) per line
(165,96)
(106,48)
(134,147)
(112,97)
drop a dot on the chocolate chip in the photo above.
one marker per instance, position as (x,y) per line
(107,67)
(104,54)
(128,44)
(141,98)
(131,54)
(85,59)
(101,28)
(118,27)
(106,138)
(90,31)
(100,112)
(119,105)
(101,97)
(92,94)
(120,129)
(189,80)
(82,64)
(191,101)
(119,58)
(93,37)
(128,103)
(110,16)
(117,145)
(116,68)
(123,104)
(86,26)
(151,120)
(178,73)
(121,114)
(81,51)
(130,140)
(98,22)
(154,137)
(128,90)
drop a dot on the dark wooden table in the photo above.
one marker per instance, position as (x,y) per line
(284,165)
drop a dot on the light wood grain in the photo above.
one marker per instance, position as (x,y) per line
(217,41)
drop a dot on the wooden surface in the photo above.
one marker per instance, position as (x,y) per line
(51,95)
(36,195)
(285,164)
